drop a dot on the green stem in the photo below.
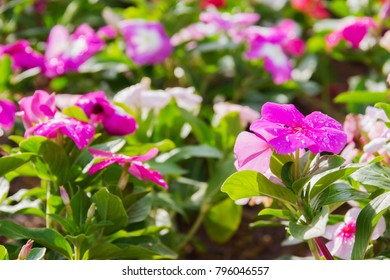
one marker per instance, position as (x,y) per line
(307,166)
(77,253)
(49,221)
(313,248)
(198,222)
(296,165)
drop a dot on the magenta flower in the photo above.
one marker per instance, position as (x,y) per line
(146,42)
(22,55)
(100,110)
(7,113)
(342,235)
(37,108)
(353,31)
(65,52)
(80,132)
(291,130)
(136,167)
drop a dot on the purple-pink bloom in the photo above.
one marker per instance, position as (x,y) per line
(80,132)
(342,235)
(65,52)
(146,42)
(37,108)
(7,113)
(226,21)
(22,55)
(136,168)
(100,110)
(352,31)
(291,130)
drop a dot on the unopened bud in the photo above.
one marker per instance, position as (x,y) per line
(90,213)
(64,195)
(26,249)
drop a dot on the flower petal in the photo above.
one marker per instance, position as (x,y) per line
(119,124)
(100,165)
(7,113)
(143,173)
(285,114)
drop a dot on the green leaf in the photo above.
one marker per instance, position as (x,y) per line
(3,253)
(140,210)
(263,223)
(199,128)
(10,163)
(218,228)
(321,181)
(4,189)
(366,222)
(278,213)
(277,162)
(287,173)
(5,70)
(190,152)
(76,112)
(249,183)
(36,254)
(373,175)
(48,238)
(80,204)
(110,208)
(362,97)
(314,229)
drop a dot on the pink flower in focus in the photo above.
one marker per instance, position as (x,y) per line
(22,55)
(353,31)
(146,42)
(252,152)
(80,132)
(342,235)
(100,110)
(7,114)
(37,108)
(65,52)
(311,8)
(291,130)
(136,168)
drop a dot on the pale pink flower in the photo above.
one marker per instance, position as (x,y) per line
(385,41)
(342,235)
(247,114)
(136,167)
(194,32)
(26,249)
(226,21)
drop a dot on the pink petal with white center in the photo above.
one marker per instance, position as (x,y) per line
(341,247)
(252,152)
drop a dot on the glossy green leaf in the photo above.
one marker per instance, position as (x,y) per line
(80,204)
(314,229)
(373,175)
(361,96)
(277,213)
(277,162)
(75,112)
(336,193)
(36,254)
(218,228)
(48,238)
(249,183)
(10,163)
(3,253)
(366,222)
(110,208)
(263,223)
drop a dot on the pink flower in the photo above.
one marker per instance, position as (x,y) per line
(247,114)
(352,30)
(146,42)
(22,55)
(342,235)
(108,32)
(26,249)
(311,8)
(136,168)
(7,113)
(80,132)
(226,21)
(215,3)
(100,110)
(65,52)
(37,108)
(193,32)
(291,130)
(252,152)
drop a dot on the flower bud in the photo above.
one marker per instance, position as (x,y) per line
(90,213)
(26,249)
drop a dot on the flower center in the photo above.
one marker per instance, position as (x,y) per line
(97,109)
(348,231)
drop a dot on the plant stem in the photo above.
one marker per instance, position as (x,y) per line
(77,253)
(296,167)
(314,249)
(198,222)
(122,183)
(307,166)
(323,249)
(49,221)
